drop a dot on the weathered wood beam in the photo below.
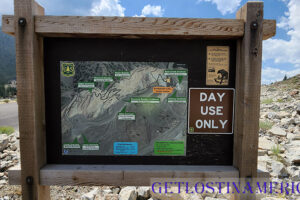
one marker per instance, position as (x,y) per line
(248,84)
(30,77)
(121,175)
(269,29)
(72,26)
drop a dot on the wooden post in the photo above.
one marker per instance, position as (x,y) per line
(29,66)
(248,83)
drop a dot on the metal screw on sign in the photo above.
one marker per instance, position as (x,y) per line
(22,21)
(29,180)
(254,25)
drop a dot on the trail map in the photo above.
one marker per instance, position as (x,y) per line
(123,108)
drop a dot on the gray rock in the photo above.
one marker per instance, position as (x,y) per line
(262,166)
(116,190)
(277,131)
(264,159)
(265,144)
(287,121)
(111,197)
(262,152)
(90,195)
(3,141)
(128,193)
(296,176)
(271,115)
(283,114)
(278,169)
(291,169)
(143,192)
(271,89)
(293,152)
(298,109)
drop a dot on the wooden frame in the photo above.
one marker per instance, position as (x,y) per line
(29,26)
(137,27)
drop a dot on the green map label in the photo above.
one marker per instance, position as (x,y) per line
(103,79)
(126,116)
(71,146)
(90,147)
(176,100)
(144,100)
(169,148)
(175,72)
(86,85)
(122,74)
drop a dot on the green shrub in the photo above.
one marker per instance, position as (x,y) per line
(6,100)
(6,130)
(276,152)
(265,125)
(280,100)
(267,101)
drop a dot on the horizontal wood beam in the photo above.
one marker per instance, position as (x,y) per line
(8,24)
(269,29)
(121,175)
(135,27)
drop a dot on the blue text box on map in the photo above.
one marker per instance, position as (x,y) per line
(125,148)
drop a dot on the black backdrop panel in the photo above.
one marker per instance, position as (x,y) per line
(200,150)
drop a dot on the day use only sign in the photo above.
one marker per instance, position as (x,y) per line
(211,111)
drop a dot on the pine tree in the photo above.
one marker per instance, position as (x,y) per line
(285,77)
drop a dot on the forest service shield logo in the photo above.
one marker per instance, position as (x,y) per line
(68,69)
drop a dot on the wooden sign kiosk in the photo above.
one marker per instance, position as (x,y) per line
(30,27)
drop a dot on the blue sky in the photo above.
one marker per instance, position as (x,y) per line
(281,54)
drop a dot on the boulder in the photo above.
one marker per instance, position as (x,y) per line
(278,169)
(111,197)
(128,193)
(287,121)
(143,192)
(3,142)
(283,114)
(293,154)
(277,131)
(265,144)
(90,195)
(116,190)
(296,176)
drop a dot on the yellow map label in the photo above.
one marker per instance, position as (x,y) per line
(217,65)
(157,90)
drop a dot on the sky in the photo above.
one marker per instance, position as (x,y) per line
(281,54)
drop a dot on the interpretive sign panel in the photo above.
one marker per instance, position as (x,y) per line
(217,65)
(123,108)
(211,111)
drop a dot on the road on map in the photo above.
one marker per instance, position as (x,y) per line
(9,115)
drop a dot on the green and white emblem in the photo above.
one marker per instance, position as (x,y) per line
(68,69)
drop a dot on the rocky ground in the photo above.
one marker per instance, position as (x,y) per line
(278,155)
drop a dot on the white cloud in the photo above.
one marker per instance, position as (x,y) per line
(107,8)
(228,6)
(156,11)
(286,51)
(270,74)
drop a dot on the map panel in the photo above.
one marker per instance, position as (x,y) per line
(123,108)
